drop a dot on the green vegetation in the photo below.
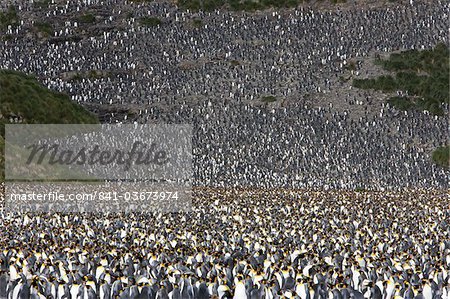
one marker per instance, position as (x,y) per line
(42,4)
(423,74)
(87,18)
(44,28)
(351,66)
(25,99)
(268,99)
(235,63)
(384,83)
(401,103)
(150,21)
(24,96)
(9,18)
(91,74)
(197,23)
(441,156)
(7,37)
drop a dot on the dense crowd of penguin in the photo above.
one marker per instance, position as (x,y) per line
(231,56)
(272,215)
(246,243)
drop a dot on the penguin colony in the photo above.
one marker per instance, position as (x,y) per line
(215,75)
(246,243)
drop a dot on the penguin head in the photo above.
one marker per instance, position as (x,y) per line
(142,285)
(23,278)
(35,278)
(416,288)
(424,281)
(131,280)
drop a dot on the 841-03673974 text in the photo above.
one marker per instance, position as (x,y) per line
(95,195)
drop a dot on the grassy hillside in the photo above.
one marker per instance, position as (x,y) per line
(8,17)
(441,156)
(25,100)
(423,74)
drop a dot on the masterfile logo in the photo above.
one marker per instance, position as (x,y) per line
(86,152)
(98,168)
(139,154)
